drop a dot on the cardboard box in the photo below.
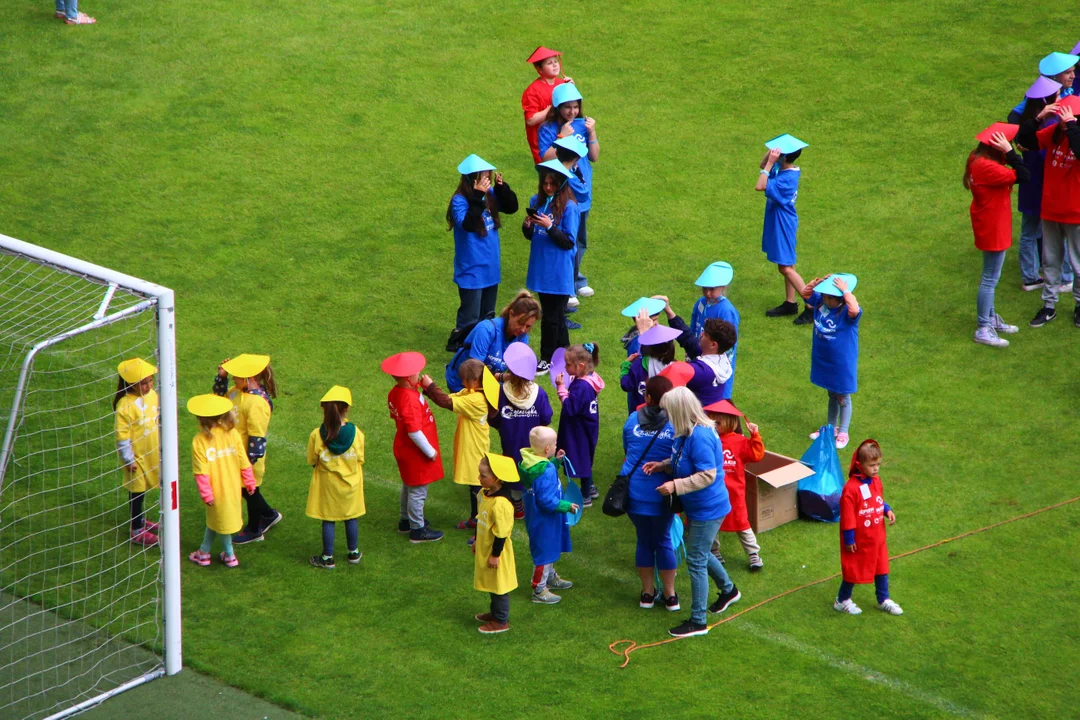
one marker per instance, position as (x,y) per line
(772,490)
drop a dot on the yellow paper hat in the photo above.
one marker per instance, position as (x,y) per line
(338,393)
(209,405)
(135,370)
(491,388)
(503,467)
(246,366)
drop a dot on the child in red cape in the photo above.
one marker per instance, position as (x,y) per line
(416,444)
(536,100)
(738,450)
(864,554)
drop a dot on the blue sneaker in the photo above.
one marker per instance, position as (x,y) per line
(571,325)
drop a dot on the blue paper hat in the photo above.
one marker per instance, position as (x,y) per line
(652,305)
(826,287)
(474,164)
(567,92)
(1053,63)
(555,166)
(786,144)
(572,144)
(718,274)
(573,495)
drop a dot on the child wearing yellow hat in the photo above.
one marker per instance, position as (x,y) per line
(221,467)
(252,395)
(472,439)
(336,452)
(138,441)
(494,571)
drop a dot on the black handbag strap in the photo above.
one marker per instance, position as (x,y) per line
(644,453)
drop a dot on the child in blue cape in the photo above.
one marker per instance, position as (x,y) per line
(579,422)
(545,513)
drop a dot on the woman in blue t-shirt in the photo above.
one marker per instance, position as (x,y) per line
(696,465)
(473,215)
(834,354)
(489,339)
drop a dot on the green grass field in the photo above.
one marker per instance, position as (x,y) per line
(285,168)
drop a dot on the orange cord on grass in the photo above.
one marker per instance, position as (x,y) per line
(625,647)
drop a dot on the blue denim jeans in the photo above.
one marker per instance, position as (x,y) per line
(352,536)
(70,8)
(1030,239)
(580,280)
(993,260)
(476,305)
(702,565)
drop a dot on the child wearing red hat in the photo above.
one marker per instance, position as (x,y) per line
(864,555)
(416,444)
(536,100)
(738,450)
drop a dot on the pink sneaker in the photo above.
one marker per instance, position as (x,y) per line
(145,538)
(80,19)
(842,440)
(228,560)
(151,526)
(200,558)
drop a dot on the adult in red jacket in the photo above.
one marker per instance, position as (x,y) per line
(536,100)
(993,167)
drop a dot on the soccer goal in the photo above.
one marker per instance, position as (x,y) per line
(85,613)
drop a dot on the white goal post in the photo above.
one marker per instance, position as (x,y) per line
(84,613)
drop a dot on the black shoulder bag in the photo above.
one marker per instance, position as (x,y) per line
(618,495)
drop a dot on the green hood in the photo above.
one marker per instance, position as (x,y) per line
(532,466)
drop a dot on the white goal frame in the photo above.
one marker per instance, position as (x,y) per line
(163,300)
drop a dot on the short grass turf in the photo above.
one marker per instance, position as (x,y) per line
(286,168)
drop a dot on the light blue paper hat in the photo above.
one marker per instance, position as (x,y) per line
(474,164)
(786,144)
(718,274)
(567,92)
(653,306)
(826,287)
(554,166)
(572,144)
(1050,65)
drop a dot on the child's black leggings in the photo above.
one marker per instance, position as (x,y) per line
(135,502)
(259,511)
(474,490)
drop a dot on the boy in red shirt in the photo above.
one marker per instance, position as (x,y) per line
(536,100)
(416,444)
(864,555)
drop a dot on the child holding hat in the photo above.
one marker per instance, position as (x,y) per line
(552,228)
(779,180)
(993,167)
(657,352)
(834,352)
(643,312)
(252,395)
(138,441)
(416,443)
(545,514)
(738,450)
(335,451)
(220,462)
(473,215)
(494,571)
(536,100)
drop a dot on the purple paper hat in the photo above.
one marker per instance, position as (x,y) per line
(521,360)
(1075,50)
(1043,87)
(558,365)
(658,335)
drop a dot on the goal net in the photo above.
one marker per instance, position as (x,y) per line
(82,608)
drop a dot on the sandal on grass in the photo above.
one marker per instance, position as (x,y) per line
(81,19)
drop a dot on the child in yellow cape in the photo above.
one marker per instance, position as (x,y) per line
(494,571)
(221,468)
(336,452)
(138,441)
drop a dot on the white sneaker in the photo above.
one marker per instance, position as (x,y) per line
(573,302)
(1000,326)
(890,607)
(848,606)
(585,291)
(986,336)
(1065,287)
(815,435)
(842,441)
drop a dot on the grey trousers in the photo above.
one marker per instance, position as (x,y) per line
(412,505)
(500,607)
(1055,237)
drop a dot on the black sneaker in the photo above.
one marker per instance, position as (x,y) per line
(689,629)
(542,367)
(1029,285)
(1076,316)
(571,325)
(453,343)
(247,536)
(276,519)
(354,557)
(671,603)
(784,308)
(806,317)
(326,562)
(647,601)
(403,526)
(1042,317)
(725,599)
(587,502)
(425,534)
(594,492)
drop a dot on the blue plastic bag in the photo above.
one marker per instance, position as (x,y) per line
(819,494)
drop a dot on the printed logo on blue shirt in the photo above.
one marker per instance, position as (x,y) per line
(593,407)
(666,434)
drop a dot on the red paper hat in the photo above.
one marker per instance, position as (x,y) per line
(403,364)
(679,373)
(542,53)
(998,127)
(1072,102)
(724,406)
